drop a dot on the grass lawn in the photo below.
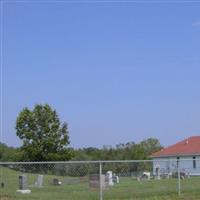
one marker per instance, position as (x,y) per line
(127,189)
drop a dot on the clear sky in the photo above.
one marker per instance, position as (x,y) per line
(116,72)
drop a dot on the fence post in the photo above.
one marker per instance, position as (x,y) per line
(100,181)
(179,177)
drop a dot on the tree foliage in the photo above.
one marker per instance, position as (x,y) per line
(8,153)
(44,137)
(128,151)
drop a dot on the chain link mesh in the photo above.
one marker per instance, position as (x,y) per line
(110,180)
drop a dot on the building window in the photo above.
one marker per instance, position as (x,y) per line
(177,162)
(194,163)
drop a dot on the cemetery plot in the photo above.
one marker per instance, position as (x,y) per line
(87,187)
(44,186)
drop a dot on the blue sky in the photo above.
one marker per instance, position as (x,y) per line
(116,72)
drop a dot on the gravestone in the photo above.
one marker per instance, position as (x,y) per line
(109,177)
(158,172)
(23,182)
(115,179)
(145,176)
(56,181)
(39,181)
(94,182)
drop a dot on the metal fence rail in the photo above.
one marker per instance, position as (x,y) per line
(104,180)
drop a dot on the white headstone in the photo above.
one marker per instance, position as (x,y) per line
(147,175)
(109,178)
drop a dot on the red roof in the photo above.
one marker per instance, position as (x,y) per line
(190,146)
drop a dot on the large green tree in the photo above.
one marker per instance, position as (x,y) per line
(44,137)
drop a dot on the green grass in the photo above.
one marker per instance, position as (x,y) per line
(127,189)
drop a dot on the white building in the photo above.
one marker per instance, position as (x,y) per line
(185,154)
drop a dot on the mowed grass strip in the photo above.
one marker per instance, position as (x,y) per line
(127,189)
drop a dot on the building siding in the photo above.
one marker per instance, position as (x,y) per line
(168,165)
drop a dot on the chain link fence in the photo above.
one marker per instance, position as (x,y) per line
(100,180)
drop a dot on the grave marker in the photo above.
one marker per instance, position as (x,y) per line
(39,181)
(158,172)
(115,179)
(109,178)
(23,182)
(95,183)
(56,182)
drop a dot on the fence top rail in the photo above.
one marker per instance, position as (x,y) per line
(93,162)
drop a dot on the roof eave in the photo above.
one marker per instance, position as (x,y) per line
(175,155)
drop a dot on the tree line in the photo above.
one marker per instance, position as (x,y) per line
(45,138)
